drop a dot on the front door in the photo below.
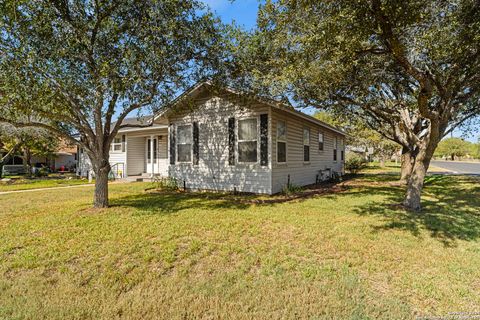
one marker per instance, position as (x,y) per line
(156,163)
(151,159)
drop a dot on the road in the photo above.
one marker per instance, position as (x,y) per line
(458,166)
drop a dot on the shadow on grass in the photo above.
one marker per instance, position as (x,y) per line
(451,208)
(171,202)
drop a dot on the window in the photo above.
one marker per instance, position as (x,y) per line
(149,151)
(247,140)
(320,141)
(306,144)
(342,150)
(281,141)
(335,149)
(184,143)
(116,145)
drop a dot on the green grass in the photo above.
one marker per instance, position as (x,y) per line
(349,255)
(39,183)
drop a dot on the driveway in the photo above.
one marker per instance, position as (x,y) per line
(458,166)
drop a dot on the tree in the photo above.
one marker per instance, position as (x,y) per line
(25,142)
(72,67)
(409,69)
(8,145)
(453,147)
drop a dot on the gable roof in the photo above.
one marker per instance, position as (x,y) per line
(198,88)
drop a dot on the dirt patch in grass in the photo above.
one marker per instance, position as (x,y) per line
(250,198)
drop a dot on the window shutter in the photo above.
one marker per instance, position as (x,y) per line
(196,146)
(231,141)
(264,139)
(172,144)
(123,143)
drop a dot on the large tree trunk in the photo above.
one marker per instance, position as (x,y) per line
(101,187)
(415,185)
(420,168)
(28,161)
(406,165)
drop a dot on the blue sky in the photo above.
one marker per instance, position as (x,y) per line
(243,12)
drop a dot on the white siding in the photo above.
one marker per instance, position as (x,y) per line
(302,173)
(135,155)
(213,171)
(84,164)
(120,158)
(136,151)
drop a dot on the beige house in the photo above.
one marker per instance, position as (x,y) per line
(225,141)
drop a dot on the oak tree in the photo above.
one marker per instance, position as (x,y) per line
(79,68)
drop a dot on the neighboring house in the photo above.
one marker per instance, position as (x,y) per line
(63,159)
(225,141)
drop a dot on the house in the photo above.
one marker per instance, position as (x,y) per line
(225,141)
(63,159)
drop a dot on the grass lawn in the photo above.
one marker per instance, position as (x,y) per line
(39,183)
(348,255)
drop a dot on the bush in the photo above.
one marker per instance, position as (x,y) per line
(290,189)
(166,184)
(41,172)
(354,164)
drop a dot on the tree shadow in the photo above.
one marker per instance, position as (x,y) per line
(172,202)
(451,208)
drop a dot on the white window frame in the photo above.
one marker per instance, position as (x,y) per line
(321,134)
(116,144)
(282,140)
(147,145)
(237,140)
(191,142)
(303,144)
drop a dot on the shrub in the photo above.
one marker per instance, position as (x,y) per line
(290,189)
(355,164)
(168,184)
(41,172)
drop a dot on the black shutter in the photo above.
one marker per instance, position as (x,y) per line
(123,143)
(172,144)
(264,139)
(231,141)
(196,146)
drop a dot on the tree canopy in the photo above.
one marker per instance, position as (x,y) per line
(73,66)
(409,69)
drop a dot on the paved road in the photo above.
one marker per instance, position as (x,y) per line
(458,166)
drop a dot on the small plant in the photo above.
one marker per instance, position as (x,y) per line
(290,189)
(167,184)
(354,164)
(41,172)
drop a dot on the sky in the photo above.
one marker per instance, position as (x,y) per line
(243,12)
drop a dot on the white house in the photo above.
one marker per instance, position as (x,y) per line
(225,141)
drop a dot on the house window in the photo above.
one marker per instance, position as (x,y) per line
(281,141)
(116,145)
(335,148)
(342,150)
(247,140)
(320,141)
(306,144)
(184,143)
